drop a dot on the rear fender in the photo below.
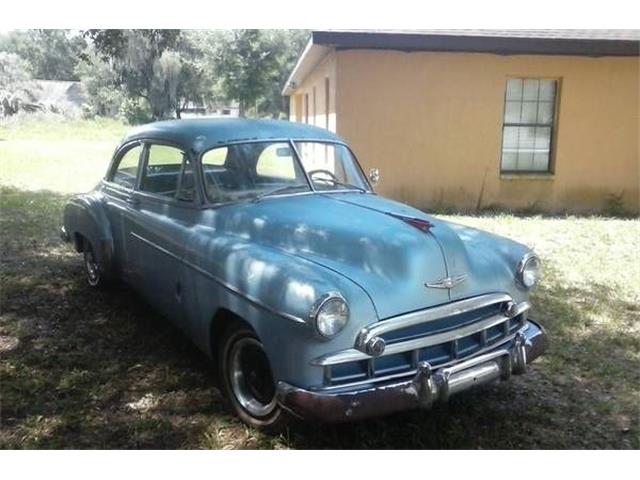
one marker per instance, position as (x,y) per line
(85,217)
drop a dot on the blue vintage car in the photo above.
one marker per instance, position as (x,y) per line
(266,244)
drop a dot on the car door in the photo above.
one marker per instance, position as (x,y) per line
(163,210)
(118,187)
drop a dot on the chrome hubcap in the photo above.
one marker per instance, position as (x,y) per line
(250,376)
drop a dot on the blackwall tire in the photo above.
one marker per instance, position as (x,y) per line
(245,376)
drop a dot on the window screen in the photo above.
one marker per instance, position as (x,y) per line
(529,113)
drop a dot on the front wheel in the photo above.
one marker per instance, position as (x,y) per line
(247,379)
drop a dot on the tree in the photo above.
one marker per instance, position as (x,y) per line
(104,95)
(135,56)
(245,61)
(166,78)
(50,54)
(14,71)
(252,65)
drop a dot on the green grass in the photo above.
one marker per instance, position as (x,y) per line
(102,370)
(56,154)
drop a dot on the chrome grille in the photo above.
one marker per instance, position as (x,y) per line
(439,341)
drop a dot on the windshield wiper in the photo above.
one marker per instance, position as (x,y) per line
(275,191)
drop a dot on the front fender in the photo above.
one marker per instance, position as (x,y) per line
(273,291)
(85,216)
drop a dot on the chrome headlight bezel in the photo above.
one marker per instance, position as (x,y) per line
(320,306)
(529,261)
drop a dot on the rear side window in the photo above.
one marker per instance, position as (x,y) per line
(127,170)
(168,173)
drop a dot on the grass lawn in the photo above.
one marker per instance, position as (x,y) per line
(85,369)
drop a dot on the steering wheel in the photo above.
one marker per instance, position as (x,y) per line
(311,173)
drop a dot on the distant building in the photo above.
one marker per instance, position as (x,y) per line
(195,110)
(542,119)
(59,95)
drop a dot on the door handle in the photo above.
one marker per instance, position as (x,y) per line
(133,201)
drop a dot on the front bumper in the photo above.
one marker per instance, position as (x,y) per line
(425,388)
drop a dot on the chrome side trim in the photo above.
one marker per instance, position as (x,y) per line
(222,283)
(424,316)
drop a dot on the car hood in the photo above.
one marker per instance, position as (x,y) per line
(361,237)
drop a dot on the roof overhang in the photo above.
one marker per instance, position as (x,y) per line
(589,43)
(311,56)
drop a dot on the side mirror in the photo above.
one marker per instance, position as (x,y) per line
(374,176)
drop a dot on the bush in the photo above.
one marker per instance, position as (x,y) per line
(135,111)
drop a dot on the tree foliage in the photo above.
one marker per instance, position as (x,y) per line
(50,54)
(152,74)
(14,71)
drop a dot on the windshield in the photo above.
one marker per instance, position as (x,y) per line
(330,166)
(254,170)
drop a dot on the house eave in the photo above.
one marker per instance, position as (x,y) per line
(311,56)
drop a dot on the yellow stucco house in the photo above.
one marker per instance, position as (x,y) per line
(522,119)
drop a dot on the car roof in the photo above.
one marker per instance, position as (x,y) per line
(205,133)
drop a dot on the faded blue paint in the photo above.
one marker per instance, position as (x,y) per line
(268,261)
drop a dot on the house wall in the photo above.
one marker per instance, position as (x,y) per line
(318,91)
(432,123)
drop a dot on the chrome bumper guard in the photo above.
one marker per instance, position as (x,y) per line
(427,386)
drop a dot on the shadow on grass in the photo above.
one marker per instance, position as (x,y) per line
(102,370)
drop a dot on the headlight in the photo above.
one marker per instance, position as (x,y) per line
(529,270)
(330,314)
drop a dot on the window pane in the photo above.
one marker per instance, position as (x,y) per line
(514,89)
(509,160)
(540,162)
(127,170)
(545,113)
(512,112)
(187,184)
(276,161)
(527,138)
(525,160)
(529,112)
(510,137)
(548,90)
(162,171)
(248,170)
(216,157)
(543,138)
(330,166)
(531,90)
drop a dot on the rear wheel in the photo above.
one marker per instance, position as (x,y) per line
(93,271)
(247,379)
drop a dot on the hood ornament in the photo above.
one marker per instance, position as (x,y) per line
(447,282)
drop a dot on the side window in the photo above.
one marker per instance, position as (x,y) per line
(276,161)
(127,170)
(168,173)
